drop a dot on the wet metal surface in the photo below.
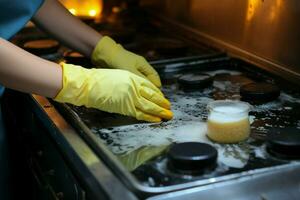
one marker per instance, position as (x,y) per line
(141,147)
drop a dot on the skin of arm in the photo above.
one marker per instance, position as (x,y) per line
(25,72)
(54,19)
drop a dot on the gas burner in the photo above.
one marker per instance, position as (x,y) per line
(192,81)
(77,59)
(122,35)
(120,17)
(41,47)
(192,157)
(235,79)
(284,143)
(159,48)
(165,46)
(258,93)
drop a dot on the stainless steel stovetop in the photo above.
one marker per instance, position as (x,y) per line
(136,152)
(141,148)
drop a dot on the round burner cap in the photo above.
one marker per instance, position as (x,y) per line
(259,92)
(192,157)
(194,81)
(284,143)
(41,47)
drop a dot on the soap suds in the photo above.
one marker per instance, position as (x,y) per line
(221,71)
(225,114)
(188,125)
(190,115)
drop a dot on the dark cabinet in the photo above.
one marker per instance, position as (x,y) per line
(38,168)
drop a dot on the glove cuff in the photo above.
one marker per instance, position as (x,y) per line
(104,52)
(73,85)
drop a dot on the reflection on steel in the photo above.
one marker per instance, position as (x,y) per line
(267,31)
(275,10)
(264,186)
(252,8)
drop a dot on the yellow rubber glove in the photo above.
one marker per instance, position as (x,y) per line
(114,91)
(112,55)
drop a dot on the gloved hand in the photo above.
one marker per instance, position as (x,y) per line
(114,91)
(112,55)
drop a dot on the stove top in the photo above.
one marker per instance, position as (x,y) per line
(143,148)
(139,152)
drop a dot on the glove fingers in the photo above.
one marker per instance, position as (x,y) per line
(140,115)
(143,81)
(138,73)
(151,108)
(155,79)
(149,72)
(148,84)
(155,97)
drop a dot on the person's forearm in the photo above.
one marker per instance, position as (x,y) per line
(25,72)
(53,18)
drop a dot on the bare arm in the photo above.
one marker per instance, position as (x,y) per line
(53,18)
(25,72)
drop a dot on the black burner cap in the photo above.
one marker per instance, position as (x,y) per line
(284,143)
(41,47)
(192,157)
(259,92)
(194,81)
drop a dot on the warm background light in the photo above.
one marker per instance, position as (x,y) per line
(73,11)
(84,8)
(92,13)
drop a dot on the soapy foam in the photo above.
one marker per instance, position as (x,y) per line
(222,71)
(128,139)
(225,114)
(228,109)
(188,125)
